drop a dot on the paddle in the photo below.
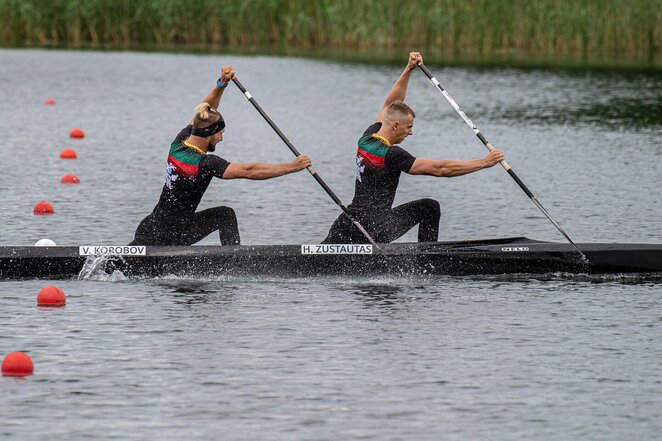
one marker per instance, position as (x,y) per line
(310,169)
(489,146)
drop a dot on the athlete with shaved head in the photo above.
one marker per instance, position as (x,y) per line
(379,162)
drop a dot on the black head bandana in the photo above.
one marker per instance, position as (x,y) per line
(206,132)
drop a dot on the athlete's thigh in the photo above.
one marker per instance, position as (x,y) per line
(344,231)
(158,231)
(398,220)
(205,222)
(214,217)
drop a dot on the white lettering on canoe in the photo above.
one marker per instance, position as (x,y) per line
(112,250)
(336,249)
(515,249)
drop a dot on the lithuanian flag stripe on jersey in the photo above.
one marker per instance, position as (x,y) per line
(373,151)
(184,160)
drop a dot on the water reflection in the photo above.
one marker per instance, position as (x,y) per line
(615,100)
(379,295)
(580,279)
(622,113)
(195,292)
(615,114)
(387,299)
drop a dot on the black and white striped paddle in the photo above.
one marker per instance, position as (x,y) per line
(489,146)
(310,169)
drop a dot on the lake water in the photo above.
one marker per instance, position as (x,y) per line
(550,357)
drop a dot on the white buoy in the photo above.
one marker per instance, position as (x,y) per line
(45,243)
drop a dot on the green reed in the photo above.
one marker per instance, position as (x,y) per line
(443,29)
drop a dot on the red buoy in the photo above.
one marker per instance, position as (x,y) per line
(68,154)
(43,208)
(51,296)
(17,364)
(77,133)
(70,179)
(49,101)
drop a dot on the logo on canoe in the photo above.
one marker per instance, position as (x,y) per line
(336,249)
(120,250)
(515,249)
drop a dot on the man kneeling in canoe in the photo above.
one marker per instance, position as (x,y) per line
(189,171)
(379,162)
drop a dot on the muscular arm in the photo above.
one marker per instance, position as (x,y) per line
(445,167)
(264,170)
(213,98)
(399,89)
(450,167)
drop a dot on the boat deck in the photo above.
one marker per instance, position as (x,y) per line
(492,256)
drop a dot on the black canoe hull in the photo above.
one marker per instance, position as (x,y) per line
(497,256)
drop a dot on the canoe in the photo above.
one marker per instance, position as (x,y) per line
(492,256)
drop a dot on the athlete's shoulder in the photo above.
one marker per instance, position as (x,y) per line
(399,158)
(372,142)
(397,150)
(183,134)
(214,164)
(373,128)
(211,160)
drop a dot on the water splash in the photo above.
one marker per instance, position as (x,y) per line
(583,261)
(97,268)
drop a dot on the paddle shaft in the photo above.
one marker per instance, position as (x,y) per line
(490,147)
(310,169)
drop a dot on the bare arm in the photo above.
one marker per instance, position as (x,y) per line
(213,98)
(399,89)
(264,170)
(450,167)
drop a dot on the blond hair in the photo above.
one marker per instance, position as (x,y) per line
(396,110)
(205,115)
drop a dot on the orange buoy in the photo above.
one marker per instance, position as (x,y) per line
(49,101)
(77,133)
(51,296)
(43,208)
(68,154)
(17,364)
(70,179)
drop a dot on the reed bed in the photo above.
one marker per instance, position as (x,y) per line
(583,29)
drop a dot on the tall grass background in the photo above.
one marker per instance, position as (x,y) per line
(621,31)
